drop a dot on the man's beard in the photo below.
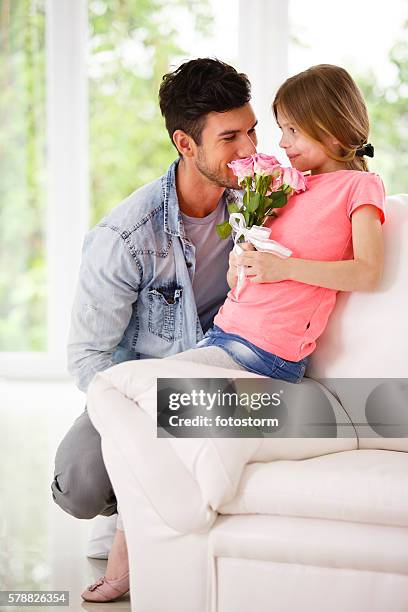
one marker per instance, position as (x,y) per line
(214,176)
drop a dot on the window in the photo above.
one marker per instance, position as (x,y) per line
(43,180)
(131,46)
(372,47)
(23,297)
(80,127)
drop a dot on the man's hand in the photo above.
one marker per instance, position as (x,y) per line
(264,267)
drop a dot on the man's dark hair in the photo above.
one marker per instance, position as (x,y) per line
(199,87)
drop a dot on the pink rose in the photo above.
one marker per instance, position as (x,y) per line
(294,179)
(242,167)
(266,165)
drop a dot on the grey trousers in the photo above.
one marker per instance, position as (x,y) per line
(81,484)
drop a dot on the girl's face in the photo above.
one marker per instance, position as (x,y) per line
(304,153)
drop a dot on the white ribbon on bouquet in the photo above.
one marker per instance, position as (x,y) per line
(259,237)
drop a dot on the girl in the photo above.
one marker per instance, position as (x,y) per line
(333,229)
(334,232)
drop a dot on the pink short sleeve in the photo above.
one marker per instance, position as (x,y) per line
(368,189)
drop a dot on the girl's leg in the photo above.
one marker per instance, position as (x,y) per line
(208,355)
(118,563)
(115,583)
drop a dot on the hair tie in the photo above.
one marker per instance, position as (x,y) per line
(365,149)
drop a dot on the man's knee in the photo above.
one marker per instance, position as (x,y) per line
(81,484)
(79,494)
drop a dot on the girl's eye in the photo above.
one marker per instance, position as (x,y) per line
(293,130)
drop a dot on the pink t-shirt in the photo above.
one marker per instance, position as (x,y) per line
(286,317)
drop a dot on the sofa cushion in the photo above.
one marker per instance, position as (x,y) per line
(312,542)
(282,563)
(368,486)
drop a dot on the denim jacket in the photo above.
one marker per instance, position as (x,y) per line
(134,297)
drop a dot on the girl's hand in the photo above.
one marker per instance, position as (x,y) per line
(264,267)
(233,263)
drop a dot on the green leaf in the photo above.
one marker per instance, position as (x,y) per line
(275,195)
(268,182)
(260,211)
(279,199)
(287,189)
(254,201)
(247,218)
(232,208)
(281,203)
(223,230)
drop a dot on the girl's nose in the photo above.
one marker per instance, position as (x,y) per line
(282,143)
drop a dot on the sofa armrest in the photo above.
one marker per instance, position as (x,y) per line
(122,405)
(123,399)
(152,466)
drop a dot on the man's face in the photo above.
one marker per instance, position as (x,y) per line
(225,137)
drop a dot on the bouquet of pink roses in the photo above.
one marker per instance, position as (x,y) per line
(267,186)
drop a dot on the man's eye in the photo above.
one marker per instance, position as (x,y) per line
(229,138)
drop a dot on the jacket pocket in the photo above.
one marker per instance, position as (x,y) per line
(166,312)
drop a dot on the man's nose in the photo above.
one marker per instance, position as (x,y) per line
(247,146)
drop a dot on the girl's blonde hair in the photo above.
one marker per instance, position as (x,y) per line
(325,103)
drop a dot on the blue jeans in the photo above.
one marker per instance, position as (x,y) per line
(253,358)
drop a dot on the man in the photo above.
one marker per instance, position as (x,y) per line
(153,271)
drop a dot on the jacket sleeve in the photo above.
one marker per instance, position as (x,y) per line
(108,285)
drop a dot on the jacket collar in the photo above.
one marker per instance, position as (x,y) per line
(172,217)
(173,223)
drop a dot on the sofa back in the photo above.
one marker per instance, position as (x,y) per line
(367,333)
(367,338)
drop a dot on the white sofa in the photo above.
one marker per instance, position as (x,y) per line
(272,524)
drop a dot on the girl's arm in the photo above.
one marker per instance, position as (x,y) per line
(362,273)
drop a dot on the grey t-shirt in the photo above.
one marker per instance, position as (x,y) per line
(210,280)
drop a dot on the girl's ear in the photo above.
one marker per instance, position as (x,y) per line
(335,146)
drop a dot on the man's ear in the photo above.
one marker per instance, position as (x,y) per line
(184,143)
